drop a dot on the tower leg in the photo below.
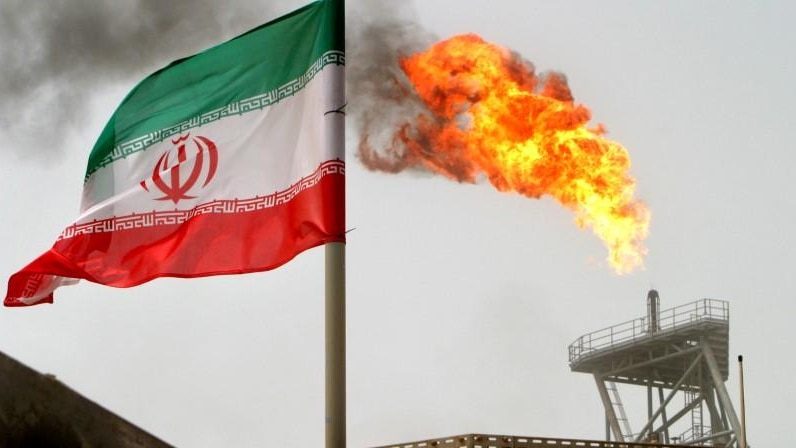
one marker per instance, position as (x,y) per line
(721,391)
(663,415)
(716,425)
(610,413)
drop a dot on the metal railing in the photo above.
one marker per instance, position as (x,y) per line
(495,441)
(690,435)
(639,328)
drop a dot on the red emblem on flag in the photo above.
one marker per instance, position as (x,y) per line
(176,185)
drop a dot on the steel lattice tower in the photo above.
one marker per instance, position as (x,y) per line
(680,353)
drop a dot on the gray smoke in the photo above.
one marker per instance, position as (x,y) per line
(54,53)
(380,97)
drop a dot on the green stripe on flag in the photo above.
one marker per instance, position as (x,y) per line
(248,69)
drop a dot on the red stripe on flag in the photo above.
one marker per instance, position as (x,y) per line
(208,244)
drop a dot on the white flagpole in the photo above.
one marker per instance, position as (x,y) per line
(335,273)
(335,346)
(335,282)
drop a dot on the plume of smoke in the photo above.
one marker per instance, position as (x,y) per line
(56,52)
(380,97)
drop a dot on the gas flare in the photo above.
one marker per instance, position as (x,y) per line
(486,113)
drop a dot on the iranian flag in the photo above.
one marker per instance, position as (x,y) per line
(226,162)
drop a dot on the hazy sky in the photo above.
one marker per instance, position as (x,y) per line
(461,300)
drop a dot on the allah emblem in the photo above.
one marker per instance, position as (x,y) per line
(172,178)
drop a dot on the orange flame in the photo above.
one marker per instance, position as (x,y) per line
(488,113)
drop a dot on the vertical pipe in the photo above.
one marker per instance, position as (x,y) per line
(649,404)
(742,436)
(335,346)
(653,318)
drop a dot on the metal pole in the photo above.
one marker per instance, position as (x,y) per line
(649,400)
(335,346)
(742,443)
(335,327)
